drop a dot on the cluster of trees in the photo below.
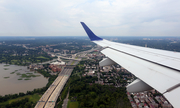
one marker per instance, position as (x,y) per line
(90,62)
(97,96)
(23,103)
(20,56)
(88,94)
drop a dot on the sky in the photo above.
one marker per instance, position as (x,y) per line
(104,17)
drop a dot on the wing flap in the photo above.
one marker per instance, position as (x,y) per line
(158,68)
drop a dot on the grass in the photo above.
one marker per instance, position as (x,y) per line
(83,58)
(12,72)
(20,79)
(27,76)
(33,98)
(18,73)
(77,73)
(72,63)
(14,60)
(6,77)
(6,68)
(72,104)
(42,57)
(6,65)
(81,65)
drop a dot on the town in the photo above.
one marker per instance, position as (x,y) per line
(51,59)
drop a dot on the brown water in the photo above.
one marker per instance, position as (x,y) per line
(12,85)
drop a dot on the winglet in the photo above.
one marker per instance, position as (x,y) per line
(91,35)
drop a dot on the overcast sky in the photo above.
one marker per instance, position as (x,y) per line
(104,17)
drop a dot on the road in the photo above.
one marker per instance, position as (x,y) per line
(50,97)
(66,101)
(69,58)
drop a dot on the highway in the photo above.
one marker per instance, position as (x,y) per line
(49,98)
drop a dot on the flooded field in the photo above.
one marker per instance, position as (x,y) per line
(15,79)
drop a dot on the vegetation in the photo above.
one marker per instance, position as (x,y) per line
(84,93)
(12,72)
(6,77)
(96,95)
(20,56)
(28,99)
(72,104)
(6,68)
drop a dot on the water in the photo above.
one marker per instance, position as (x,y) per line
(9,83)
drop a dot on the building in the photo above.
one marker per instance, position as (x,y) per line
(35,67)
(91,73)
(54,68)
(61,63)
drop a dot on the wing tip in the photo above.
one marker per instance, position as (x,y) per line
(91,35)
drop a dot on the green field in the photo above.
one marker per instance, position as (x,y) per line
(42,57)
(72,104)
(33,98)
(14,60)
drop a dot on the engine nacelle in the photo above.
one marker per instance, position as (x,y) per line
(106,62)
(138,86)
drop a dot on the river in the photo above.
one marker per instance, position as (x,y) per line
(15,79)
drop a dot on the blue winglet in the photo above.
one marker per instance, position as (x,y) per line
(91,35)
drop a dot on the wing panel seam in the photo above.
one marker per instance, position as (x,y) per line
(143,58)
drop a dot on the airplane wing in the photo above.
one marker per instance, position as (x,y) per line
(155,68)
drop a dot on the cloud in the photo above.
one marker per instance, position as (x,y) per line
(104,17)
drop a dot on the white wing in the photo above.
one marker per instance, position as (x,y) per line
(159,69)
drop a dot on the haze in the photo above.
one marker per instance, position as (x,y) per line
(104,17)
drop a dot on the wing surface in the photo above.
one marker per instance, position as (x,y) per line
(159,69)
